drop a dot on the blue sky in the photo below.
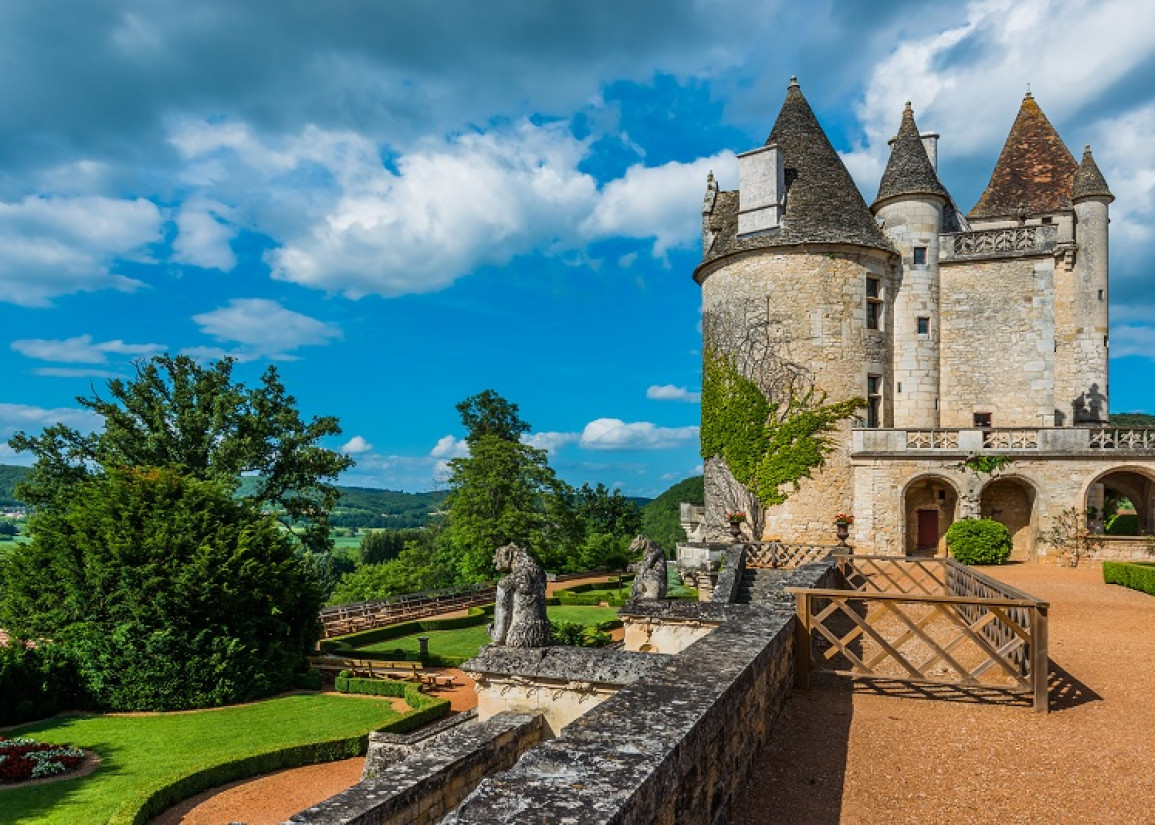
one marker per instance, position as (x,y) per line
(403,204)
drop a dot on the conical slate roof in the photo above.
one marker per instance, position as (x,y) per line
(1035,170)
(822,203)
(909,170)
(1089,181)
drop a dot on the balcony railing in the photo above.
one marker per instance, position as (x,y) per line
(1006,440)
(999,243)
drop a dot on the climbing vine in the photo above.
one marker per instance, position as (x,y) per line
(768,446)
(985,464)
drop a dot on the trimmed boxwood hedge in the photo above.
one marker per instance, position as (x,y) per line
(1128,574)
(140,811)
(427,707)
(979,541)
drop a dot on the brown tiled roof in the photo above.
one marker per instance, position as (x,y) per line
(822,203)
(1089,181)
(1034,173)
(909,170)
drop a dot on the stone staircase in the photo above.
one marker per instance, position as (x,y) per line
(759,586)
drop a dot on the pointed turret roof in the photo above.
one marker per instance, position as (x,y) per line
(1035,170)
(909,170)
(1089,181)
(823,205)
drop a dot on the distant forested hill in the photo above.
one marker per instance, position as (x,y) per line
(1133,419)
(10,476)
(660,518)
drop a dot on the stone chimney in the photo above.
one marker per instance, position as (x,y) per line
(930,143)
(761,189)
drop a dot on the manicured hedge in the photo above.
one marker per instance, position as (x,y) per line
(979,541)
(140,811)
(426,707)
(36,682)
(1135,576)
(341,645)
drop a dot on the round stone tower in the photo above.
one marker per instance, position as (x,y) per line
(909,205)
(797,292)
(1091,199)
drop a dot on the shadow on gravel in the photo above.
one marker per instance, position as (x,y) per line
(1066,691)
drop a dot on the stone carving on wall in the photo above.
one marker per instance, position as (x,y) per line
(519,618)
(650,583)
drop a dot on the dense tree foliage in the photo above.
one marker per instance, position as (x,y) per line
(661,518)
(198,422)
(505,491)
(384,545)
(171,593)
(417,568)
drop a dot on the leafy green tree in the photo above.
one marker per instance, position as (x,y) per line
(662,518)
(419,567)
(505,491)
(8,528)
(604,512)
(171,593)
(198,422)
(383,545)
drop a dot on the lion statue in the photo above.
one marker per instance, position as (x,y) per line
(650,583)
(519,618)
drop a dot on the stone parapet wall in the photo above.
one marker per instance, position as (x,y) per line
(1125,548)
(432,778)
(673,747)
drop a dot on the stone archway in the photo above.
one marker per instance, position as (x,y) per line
(1011,501)
(930,506)
(1135,485)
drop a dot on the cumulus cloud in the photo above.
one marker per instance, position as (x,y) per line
(81,349)
(356,445)
(75,372)
(263,328)
(204,235)
(615,434)
(550,441)
(32,419)
(448,447)
(668,392)
(52,246)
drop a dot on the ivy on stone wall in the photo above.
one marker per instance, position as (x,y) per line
(768,446)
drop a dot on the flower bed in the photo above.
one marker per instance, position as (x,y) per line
(22,759)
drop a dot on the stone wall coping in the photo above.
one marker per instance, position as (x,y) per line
(432,729)
(621,759)
(436,763)
(566,664)
(730,576)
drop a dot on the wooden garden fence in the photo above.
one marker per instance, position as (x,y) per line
(351,618)
(923,621)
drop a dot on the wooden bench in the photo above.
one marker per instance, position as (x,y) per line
(409,671)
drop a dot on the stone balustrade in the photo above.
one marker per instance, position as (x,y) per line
(1038,441)
(998,243)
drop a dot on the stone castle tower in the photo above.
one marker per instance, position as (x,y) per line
(965,334)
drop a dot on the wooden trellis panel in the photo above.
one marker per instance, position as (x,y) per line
(775,555)
(924,621)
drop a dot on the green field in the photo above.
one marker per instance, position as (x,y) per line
(466,641)
(140,754)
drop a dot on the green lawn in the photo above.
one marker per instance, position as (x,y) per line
(467,640)
(346,542)
(142,753)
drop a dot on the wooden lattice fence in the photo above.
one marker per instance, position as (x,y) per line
(924,621)
(351,618)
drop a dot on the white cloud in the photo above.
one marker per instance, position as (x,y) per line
(262,328)
(81,349)
(69,372)
(450,447)
(204,235)
(51,246)
(32,419)
(668,392)
(658,202)
(1133,339)
(615,434)
(549,441)
(356,445)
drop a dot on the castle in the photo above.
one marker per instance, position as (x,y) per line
(969,336)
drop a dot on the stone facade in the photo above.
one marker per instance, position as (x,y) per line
(969,336)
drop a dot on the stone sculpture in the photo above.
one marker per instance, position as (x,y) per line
(650,582)
(519,618)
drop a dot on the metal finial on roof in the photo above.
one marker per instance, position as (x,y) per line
(793,82)
(908,107)
(1087,148)
(1028,94)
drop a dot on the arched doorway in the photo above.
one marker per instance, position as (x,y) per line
(1121,502)
(931,506)
(1011,502)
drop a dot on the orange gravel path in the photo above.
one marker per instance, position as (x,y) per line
(272,799)
(850,755)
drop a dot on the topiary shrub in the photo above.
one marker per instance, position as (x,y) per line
(979,541)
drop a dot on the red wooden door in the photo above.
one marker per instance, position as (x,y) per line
(927,529)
